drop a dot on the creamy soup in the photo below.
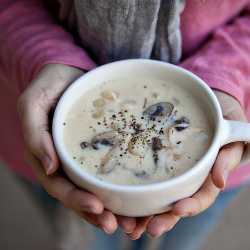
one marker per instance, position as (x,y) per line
(136,131)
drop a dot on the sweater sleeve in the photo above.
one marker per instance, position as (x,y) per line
(224,61)
(30,38)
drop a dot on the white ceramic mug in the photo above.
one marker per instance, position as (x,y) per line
(143,200)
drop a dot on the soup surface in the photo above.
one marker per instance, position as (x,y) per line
(136,131)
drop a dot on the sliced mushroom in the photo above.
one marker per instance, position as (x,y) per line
(156,144)
(156,147)
(161,109)
(109,139)
(181,123)
(111,160)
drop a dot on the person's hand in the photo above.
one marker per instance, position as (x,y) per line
(227,159)
(34,107)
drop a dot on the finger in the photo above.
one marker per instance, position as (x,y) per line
(199,202)
(128,224)
(141,224)
(65,191)
(68,194)
(161,223)
(227,159)
(105,221)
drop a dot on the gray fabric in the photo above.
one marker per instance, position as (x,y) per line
(167,45)
(120,29)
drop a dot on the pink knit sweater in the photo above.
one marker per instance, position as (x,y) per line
(216,47)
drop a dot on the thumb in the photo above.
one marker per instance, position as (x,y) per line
(36,132)
(227,159)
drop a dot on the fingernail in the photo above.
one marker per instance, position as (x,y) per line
(153,236)
(47,164)
(106,231)
(135,238)
(128,231)
(161,231)
(92,209)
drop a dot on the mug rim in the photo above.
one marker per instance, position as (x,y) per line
(86,177)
